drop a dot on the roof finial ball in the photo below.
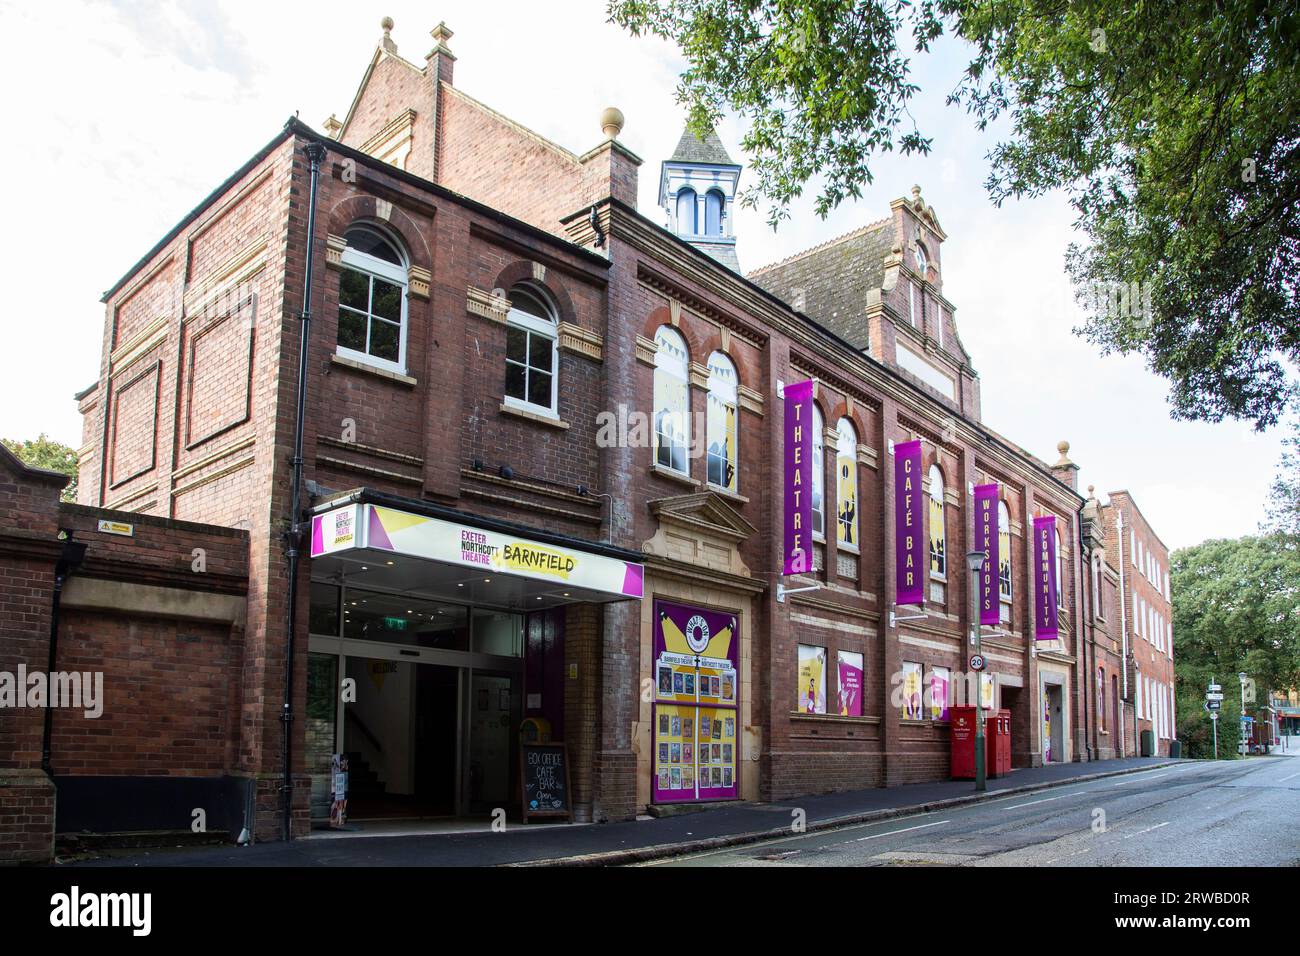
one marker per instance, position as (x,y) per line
(611,122)
(387,24)
(387,40)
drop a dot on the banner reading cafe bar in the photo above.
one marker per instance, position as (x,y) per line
(909,584)
(1045,583)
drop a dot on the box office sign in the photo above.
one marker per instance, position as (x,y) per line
(695,723)
(386,529)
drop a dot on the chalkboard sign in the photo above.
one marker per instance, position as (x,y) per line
(544,769)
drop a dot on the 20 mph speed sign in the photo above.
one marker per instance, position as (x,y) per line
(977,662)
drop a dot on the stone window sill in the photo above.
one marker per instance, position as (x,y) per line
(355,366)
(727,493)
(673,475)
(537,417)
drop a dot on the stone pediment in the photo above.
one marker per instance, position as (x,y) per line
(700,529)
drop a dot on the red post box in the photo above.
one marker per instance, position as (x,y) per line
(997,747)
(961,731)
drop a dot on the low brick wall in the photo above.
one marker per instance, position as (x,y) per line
(26,816)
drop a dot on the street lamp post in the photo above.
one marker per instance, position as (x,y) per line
(975,562)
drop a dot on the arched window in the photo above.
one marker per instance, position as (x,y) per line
(819,475)
(686,211)
(938,542)
(1101,698)
(531,352)
(846,484)
(713,213)
(672,407)
(721,422)
(372,300)
(1004,562)
(922,260)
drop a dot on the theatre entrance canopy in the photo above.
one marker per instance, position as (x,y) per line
(369,539)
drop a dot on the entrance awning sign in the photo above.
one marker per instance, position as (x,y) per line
(387,529)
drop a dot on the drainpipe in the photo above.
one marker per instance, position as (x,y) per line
(315,155)
(69,561)
(1123,631)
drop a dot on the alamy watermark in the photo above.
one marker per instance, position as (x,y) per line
(72,690)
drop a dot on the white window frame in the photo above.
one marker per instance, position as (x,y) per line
(373,266)
(856,546)
(677,367)
(547,330)
(727,391)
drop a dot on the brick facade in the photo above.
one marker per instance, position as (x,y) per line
(191,419)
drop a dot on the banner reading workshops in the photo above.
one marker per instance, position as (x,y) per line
(798,477)
(695,724)
(986,541)
(908,560)
(1045,583)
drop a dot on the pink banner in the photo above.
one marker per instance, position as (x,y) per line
(798,477)
(986,541)
(1045,583)
(909,557)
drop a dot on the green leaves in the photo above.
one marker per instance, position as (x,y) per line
(1237,608)
(43,452)
(1172,125)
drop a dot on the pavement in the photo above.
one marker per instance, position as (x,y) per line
(1192,814)
(633,841)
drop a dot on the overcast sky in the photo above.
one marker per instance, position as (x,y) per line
(124,116)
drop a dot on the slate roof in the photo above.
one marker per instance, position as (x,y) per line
(692,149)
(835,278)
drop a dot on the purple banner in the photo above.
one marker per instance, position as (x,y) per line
(1045,583)
(986,540)
(909,557)
(798,477)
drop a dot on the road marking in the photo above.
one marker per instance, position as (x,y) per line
(1124,783)
(1032,802)
(1147,830)
(1069,855)
(876,836)
(1292,777)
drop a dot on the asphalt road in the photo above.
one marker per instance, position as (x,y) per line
(1234,813)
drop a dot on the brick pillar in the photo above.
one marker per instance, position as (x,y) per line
(581,701)
(615,766)
(893,770)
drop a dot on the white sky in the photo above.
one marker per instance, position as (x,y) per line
(130,114)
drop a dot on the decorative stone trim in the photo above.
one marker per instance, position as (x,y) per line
(356,366)
(360,469)
(726,493)
(534,417)
(214,476)
(698,374)
(539,272)
(392,144)
(238,269)
(138,345)
(418,279)
(372,450)
(750,399)
(674,312)
(334,246)
(574,338)
(486,304)
(121,503)
(215,456)
(868,456)
(646,350)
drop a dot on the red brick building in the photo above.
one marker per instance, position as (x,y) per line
(1145,622)
(542,471)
